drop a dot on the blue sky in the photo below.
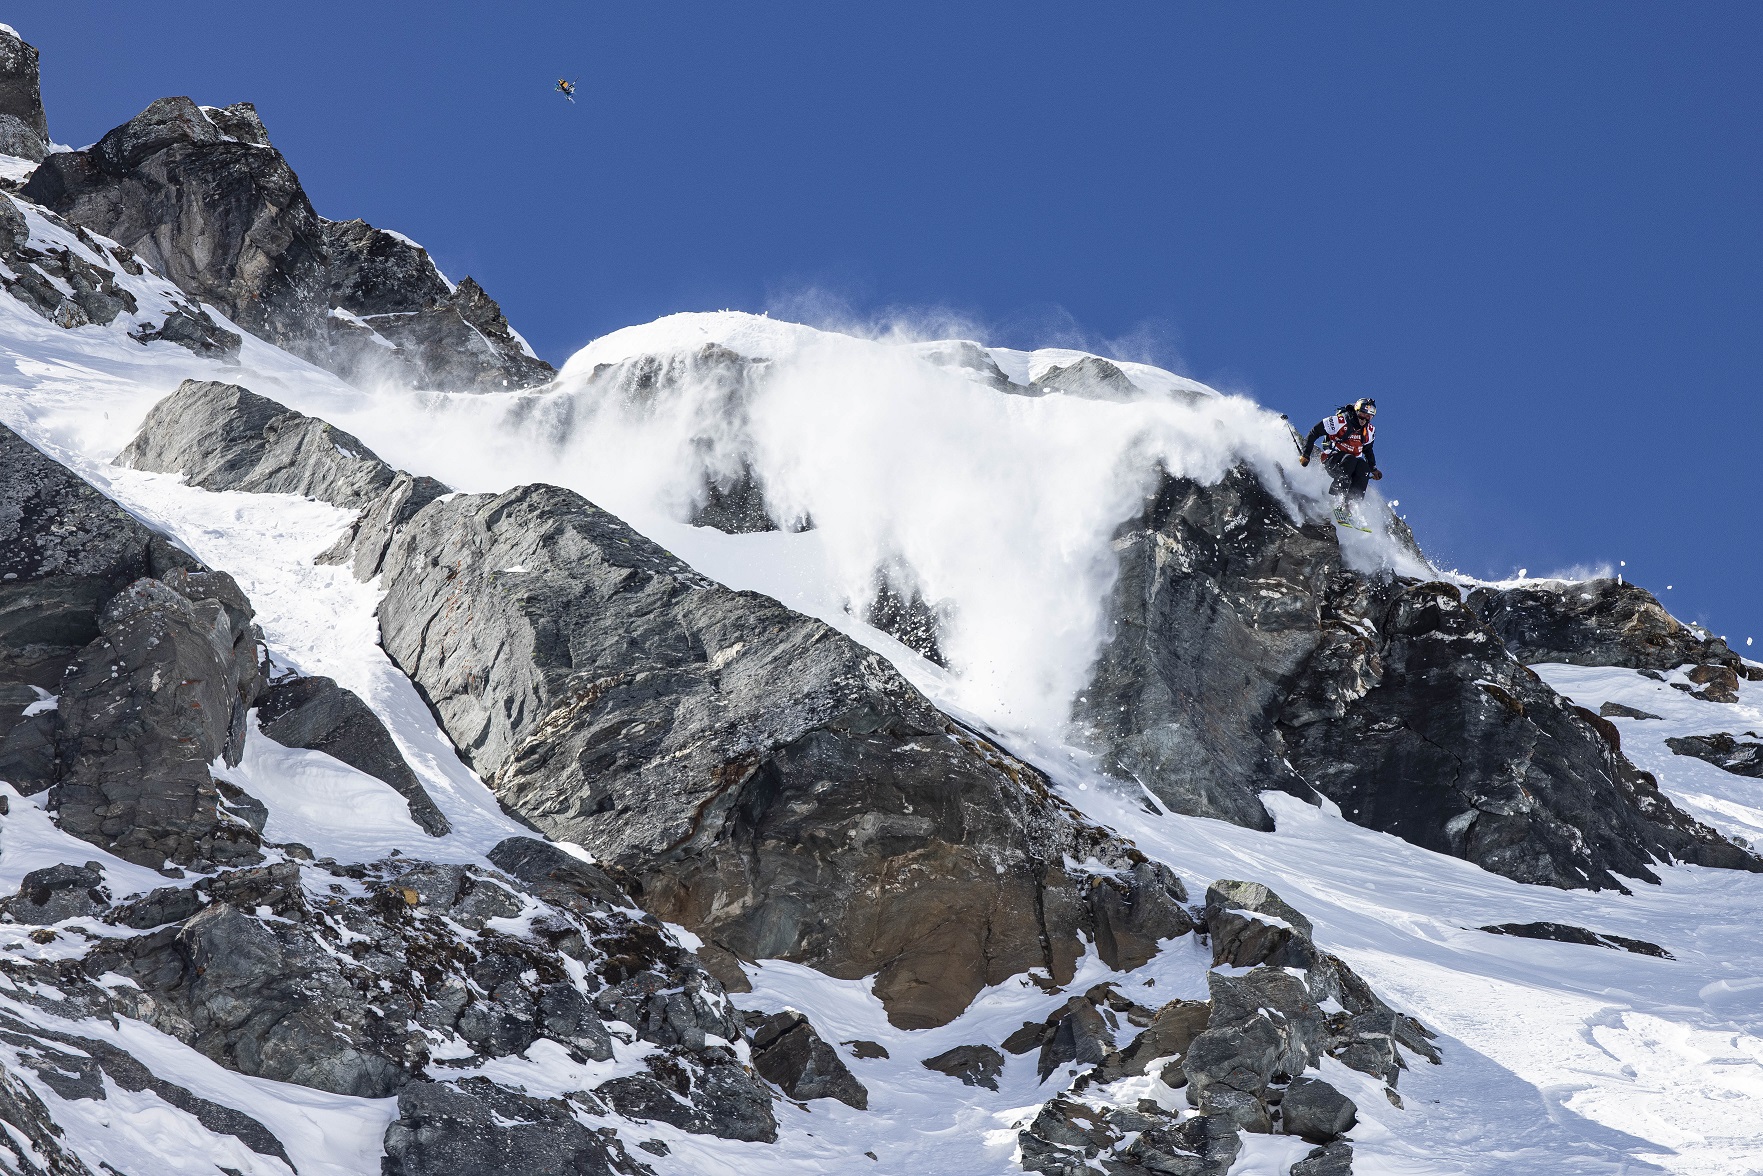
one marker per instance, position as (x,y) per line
(1533,231)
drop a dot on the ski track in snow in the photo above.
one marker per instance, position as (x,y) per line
(1559,1058)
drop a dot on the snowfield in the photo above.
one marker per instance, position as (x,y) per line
(1559,1058)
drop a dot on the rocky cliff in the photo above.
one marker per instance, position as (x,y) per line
(201,196)
(1244,656)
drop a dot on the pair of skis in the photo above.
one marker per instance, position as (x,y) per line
(1342,516)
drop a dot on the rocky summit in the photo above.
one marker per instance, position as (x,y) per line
(751,748)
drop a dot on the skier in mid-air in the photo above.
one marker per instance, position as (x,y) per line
(566,88)
(1347,453)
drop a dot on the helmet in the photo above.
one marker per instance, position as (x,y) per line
(1365,406)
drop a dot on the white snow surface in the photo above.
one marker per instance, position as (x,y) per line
(1558,1058)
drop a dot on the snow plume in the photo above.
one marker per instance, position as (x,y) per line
(932,466)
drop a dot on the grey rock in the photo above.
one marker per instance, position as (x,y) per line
(720,1098)
(974,1065)
(1723,751)
(477,1128)
(368,537)
(194,329)
(1317,1111)
(1081,1036)
(204,198)
(23,130)
(558,877)
(1091,378)
(45,1151)
(1244,657)
(1250,925)
(1334,1160)
(1567,933)
(224,437)
(54,893)
(1169,1035)
(787,1051)
(146,708)
(1601,622)
(1617,710)
(1461,750)
(240,122)
(682,732)
(266,1001)
(317,714)
(1212,618)
(967,356)
(167,904)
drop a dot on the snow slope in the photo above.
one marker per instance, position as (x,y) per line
(1559,1058)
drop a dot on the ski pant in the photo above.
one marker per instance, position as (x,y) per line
(1351,474)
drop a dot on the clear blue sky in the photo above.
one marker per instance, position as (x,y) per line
(1533,231)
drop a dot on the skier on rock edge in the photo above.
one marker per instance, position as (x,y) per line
(1347,452)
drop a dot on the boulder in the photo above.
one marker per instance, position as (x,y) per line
(718,1098)
(224,437)
(1617,710)
(1723,751)
(23,130)
(317,714)
(145,708)
(54,893)
(1080,1036)
(1718,683)
(1602,622)
(683,733)
(1250,925)
(1567,933)
(787,1051)
(1334,1160)
(1313,1109)
(974,1065)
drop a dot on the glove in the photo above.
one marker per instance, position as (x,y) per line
(1303,461)
(1377,475)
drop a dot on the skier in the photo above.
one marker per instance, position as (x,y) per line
(1347,452)
(566,88)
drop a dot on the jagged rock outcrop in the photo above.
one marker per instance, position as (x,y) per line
(1244,1059)
(202,196)
(787,1051)
(1245,657)
(317,714)
(82,281)
(145,708)
(150,661)
(1723,751)
(1602,622)
(681,731)
(23,130)
(54,893)
(409,968)
(476,1128)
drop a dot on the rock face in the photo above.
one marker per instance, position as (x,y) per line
(1594,623)
(317,714)
(81,281)
(151,660)
(1244,1058)
(682,731)
(224,437)
(146,708)
(23,130)
(1244,657)
(476,1128)
(201,195)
